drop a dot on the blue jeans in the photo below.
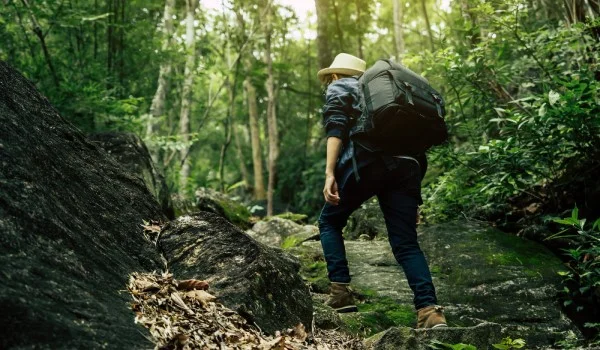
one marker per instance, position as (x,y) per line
(398,192)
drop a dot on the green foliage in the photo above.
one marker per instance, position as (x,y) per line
(509,344)
(582,280)
(523,110)
(438,345)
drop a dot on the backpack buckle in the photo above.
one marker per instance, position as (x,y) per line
(409,97)
(438,104)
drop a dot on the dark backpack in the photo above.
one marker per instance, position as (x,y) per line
(401,112)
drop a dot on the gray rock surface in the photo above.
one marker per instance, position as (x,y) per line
(131,152)
(70,231)
(481,336)
(275,230)
(480,273)
(260,282)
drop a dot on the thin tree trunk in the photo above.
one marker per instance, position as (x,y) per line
(186,94)
(109,39)
(271,118)
(95,31)
(323,46)
(429,31)
(122,46)
(157,109)
(257,162)
(359,29)
(399,28)
(240,155)
(38,31)
(29,44)
(228,126)
(338,27)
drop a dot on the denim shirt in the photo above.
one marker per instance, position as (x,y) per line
(340,112)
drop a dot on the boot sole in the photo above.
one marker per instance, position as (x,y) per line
(345,309)
(441,325)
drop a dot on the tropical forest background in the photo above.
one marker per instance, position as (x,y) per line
(225,95)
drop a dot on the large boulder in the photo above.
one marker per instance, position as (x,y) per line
(216,202)
(482,337)
(277,231)
(131,152)
(70,231)
(259,282)
(480,274)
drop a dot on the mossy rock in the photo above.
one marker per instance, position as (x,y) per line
(218,203)
(482,337)
(325,317)
(297,218)
(377,313)
(367,221)
(282,233)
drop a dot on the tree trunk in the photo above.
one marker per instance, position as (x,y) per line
(338,28)
(38,31)
(157,109)
(227,123)
(271,118)
(323,46)
(359,27)
(429,31)
(398,28)
(231,84)
(241,159)
(259,182)
(186,94)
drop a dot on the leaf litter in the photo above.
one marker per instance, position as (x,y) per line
(184,315)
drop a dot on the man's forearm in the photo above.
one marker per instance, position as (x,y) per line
(334,145)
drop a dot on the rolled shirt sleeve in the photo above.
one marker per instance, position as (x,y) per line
(338,101)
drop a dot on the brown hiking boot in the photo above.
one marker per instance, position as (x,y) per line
(341,299)
(431,316)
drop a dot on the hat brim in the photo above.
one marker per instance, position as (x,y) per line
(345,71)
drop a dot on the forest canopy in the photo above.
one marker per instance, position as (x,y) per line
(225,92)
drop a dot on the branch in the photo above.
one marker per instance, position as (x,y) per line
(38,31)
(299,92)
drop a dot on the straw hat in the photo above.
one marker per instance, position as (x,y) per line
(343,64)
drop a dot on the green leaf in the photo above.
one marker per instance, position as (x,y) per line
(596,225)
(575,213)
(553,97)
(518,343)
(542,110)
(567,221)
(95,18)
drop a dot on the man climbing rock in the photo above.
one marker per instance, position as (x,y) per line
(354,174)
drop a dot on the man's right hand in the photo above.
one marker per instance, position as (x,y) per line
(330,192)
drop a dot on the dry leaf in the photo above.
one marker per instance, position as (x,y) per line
(200,295)
(145,285)
(192,284)
(299,332)
(180,303)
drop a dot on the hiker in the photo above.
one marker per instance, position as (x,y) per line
(353,175)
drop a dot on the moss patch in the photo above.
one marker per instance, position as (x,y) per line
(297,218)
(377,313)
(290,242)
(238,214)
